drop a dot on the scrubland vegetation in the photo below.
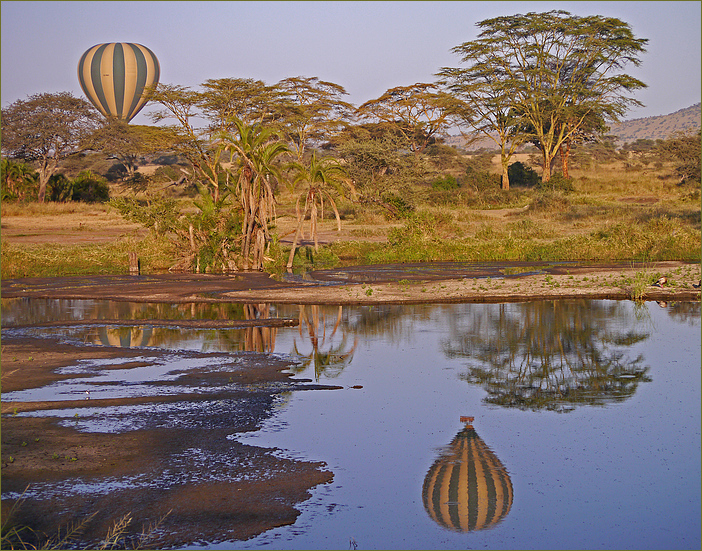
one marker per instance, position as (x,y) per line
(625,207)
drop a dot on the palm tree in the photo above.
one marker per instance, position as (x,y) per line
(17,179)
(254,151)
(322,177)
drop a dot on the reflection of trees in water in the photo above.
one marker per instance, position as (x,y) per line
(550,354)
(318,326)
(684,312)
(125,337)
(249,339)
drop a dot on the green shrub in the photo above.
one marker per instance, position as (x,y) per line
(400,206)
(522,175)
(447,183)
(481,180)
(161,215)
(138,182)
(558,182)
(90,188)
(59,188)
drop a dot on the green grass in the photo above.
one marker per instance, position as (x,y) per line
(51,260)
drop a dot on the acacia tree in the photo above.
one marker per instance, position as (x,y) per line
(46,128)
(684,148)
(375,164)
(126,143)
(418,112)
(560,69)
(194,143)
(313,111)
(484,103)
(251,101)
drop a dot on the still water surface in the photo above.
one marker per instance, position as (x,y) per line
(585,429)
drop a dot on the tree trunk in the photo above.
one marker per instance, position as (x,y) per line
(43,180)
(313,224)
(565,156)
(297,236)
(505,176)
(546,175)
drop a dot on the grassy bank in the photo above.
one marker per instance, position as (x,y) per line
(51,260)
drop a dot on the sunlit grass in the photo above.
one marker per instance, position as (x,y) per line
(614,213)
(51,260)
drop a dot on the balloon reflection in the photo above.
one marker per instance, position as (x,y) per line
(467,488)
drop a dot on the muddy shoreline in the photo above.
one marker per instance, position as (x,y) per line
(399,284)
(254,489)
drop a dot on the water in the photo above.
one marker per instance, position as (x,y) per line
(587,410)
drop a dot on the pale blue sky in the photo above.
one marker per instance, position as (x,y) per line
(367,47)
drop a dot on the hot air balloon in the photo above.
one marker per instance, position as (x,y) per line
(114,76)
(467,488)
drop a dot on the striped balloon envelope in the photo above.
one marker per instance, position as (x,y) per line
(114,75)
(124,337)
(467,488)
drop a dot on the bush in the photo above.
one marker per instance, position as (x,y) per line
(558,182)
(447,183)
(138,182)
(481,180)
(550,201)
(59,188)
(522,175)
(159,214)
(90,188)
(400,207)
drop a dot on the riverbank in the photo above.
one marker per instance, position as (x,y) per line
(400,283)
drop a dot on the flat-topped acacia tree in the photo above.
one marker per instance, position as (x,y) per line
(549,73)
(419,113)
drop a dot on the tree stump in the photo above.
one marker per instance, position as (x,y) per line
(134,264)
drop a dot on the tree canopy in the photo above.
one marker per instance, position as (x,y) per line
(551,72)
(46,128)
(418,112)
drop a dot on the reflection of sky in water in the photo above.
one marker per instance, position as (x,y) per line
(620,475)
(624,475)
(102,379)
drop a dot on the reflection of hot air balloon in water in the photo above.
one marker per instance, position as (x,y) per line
(467,488)
(124,337)
(114,77)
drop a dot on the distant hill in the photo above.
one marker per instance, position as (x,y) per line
(648,128)
(660,127)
